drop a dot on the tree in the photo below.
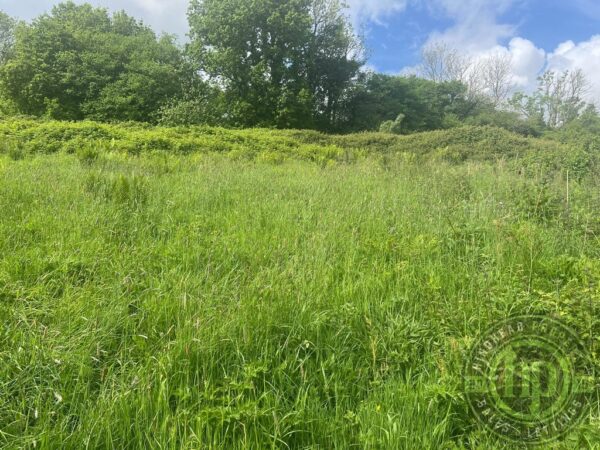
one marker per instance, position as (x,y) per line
(201,104)
(80,62)
(7,40)
(440,62)
(508,120)
(558,100)
(286,63)
(7,37)
(589,120)
(425,104)
(483,77)
(496,72)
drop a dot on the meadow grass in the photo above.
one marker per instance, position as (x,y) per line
(196,300)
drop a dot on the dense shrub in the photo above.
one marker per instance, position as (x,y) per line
(393,126)
(474,143)
(508,120)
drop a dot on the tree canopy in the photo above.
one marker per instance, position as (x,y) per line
(425,104)
(287,63)
(558,100)
(80,62)
(7,36)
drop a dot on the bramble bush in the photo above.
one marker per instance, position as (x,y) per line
(468,143)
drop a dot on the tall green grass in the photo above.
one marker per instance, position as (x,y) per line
(199,300)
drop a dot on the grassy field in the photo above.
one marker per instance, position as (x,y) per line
(204,288)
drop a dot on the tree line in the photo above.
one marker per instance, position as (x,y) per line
(268,63)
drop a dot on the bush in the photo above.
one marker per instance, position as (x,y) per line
(88,154)
(393,126)
(566,150)
(507,120)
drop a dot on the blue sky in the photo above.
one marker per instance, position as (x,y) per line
(537,34)
(395,39)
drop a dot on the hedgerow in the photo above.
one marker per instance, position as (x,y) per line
(23,137)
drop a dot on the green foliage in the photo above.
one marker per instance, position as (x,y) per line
(292,64)
(88,154)
(7,37)
(508,120)
(583,131)
(7,107)
(577,153)
(281,63)
(425,104)
(205,107)
(14,150)
(7,41)
(558,100)
(392,126)
(79,62)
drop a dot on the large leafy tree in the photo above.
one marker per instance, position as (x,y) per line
(286,63)
(80,62)
(7,40)
(424,104)
(7,36)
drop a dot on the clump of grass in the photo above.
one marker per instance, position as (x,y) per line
(88,154)
(13,149)
(121,189)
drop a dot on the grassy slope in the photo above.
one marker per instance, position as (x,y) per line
(227,296)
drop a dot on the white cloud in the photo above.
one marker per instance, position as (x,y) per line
(163,15)
(476,27)
(153,6)
(529,61)
(585,56)
(362,11)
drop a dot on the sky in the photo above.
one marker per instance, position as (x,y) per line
(537,34)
